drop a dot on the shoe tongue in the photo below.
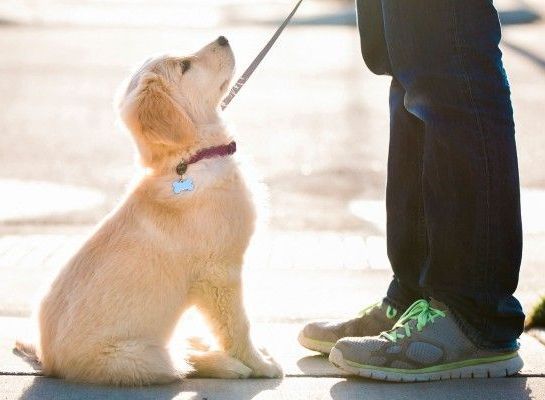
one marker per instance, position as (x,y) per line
(412,323)
(438,305)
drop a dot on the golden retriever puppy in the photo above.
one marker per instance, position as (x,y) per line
(178,239)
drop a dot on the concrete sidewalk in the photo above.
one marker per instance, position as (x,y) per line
(308,376)
(30,388)
(313,282)
(334,289)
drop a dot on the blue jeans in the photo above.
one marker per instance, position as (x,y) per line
(453,197)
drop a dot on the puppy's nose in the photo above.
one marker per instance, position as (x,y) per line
(222,41)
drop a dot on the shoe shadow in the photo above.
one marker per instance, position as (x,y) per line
(319,366)
(513,388)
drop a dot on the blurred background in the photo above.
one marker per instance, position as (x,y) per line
(313,120)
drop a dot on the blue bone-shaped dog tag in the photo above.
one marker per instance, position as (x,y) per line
(183,185)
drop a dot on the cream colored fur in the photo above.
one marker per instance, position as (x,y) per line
(110,313)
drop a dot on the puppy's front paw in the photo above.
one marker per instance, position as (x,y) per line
(267,369)
(216,364)
(234,372)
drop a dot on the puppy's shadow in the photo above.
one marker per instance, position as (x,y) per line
(198,389)
(240,389)
(49,388)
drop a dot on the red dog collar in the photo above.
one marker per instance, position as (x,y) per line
(210,152)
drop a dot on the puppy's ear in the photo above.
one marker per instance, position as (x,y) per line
(160,118)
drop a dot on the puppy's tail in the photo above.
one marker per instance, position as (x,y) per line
(27,351)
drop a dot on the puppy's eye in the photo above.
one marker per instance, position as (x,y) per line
(186,64)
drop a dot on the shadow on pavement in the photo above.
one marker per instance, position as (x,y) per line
(467,389)
(307,364)
(47,388)
(522,15)
(197,389)
(539,61)
(319,366)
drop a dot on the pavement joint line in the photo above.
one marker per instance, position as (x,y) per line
(21,374)
(318,376)
(348,251)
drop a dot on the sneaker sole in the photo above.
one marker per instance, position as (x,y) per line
(486,369)
(315,345)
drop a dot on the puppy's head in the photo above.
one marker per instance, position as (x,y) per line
(170,96)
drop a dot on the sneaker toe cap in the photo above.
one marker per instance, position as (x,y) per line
(321,330)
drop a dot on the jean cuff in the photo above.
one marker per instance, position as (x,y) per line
(474,334)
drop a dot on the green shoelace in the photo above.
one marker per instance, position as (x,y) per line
(391,312)
(421,312)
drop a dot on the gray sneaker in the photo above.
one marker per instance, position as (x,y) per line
(322,335)
(425,344)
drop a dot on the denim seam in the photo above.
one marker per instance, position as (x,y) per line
(467,78)
(390,64)
(423,226)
